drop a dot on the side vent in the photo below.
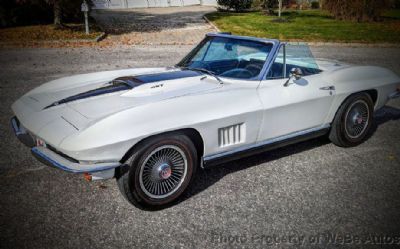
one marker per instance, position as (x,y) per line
(231,135)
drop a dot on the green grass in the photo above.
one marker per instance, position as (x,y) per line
(309,25)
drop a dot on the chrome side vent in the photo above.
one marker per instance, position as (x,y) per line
(231,135)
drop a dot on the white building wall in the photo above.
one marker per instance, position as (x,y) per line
(121,4)
(209,2)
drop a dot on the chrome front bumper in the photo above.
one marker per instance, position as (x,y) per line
(21,133)
(55,159)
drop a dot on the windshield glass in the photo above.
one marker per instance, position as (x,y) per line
(229,57)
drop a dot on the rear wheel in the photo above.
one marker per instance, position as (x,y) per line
(159,171)
(353,121)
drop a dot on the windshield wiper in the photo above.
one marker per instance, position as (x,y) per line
(202,70)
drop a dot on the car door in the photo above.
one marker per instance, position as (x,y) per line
(297,105)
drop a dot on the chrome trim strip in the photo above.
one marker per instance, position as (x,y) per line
(266,142)
(49,157)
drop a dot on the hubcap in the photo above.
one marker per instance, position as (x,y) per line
(163,171)
(357,118)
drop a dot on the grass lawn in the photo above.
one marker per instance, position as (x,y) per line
(39,33)
(309,25)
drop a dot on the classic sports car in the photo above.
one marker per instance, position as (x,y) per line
(230,96)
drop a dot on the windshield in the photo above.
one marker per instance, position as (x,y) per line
(229,57)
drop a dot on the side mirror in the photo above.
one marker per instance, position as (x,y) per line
(296,73)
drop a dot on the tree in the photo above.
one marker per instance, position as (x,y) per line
(63,10)
(57,13)
(280,8)
(357,10)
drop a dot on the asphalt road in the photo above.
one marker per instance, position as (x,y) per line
(298,191)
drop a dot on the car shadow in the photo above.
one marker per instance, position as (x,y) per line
(208,177)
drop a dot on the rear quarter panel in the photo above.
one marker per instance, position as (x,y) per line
(350,80)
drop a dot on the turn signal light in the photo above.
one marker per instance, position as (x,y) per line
(87,176)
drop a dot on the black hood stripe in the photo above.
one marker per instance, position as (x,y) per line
(127,83)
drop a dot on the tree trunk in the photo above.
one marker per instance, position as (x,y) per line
(57,14)
(280,8)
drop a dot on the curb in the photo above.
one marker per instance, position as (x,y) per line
(212,24)
(101,37)
(97,39)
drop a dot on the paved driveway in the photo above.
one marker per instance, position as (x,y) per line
(175,25)
(301,190)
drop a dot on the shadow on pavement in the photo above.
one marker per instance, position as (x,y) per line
(206,178)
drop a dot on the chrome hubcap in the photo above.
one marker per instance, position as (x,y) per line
(163,171)
(357,118)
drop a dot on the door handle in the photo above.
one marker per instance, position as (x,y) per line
(328,88)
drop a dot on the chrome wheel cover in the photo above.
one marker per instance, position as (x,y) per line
(163,171)
(357,118)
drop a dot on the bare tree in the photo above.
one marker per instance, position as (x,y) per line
(57,13)
(357,10)
(280,9)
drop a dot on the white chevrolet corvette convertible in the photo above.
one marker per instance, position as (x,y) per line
(231,96)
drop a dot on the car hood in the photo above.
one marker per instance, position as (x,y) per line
(68,105)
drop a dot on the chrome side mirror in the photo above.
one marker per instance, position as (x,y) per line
(296,73)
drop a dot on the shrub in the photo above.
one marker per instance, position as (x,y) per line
(396,4)
(237,5)
(314,5)
(357,10)
(17,14)
(28,12)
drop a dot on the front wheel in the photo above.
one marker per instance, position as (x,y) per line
(159,171)
(353,121)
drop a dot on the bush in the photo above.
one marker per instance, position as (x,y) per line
(357,10)
(237,5)
(396,4)
(17,14)
(314,5)
(31,12)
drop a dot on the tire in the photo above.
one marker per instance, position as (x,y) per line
(158,171)
(353,121)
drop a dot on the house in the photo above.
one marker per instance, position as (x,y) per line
(124,4)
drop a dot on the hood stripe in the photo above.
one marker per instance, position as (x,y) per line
(127,83)
(115,87)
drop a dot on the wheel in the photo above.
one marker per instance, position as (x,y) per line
(159,171)
(353,121)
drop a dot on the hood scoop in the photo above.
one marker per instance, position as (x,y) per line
(127,83)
